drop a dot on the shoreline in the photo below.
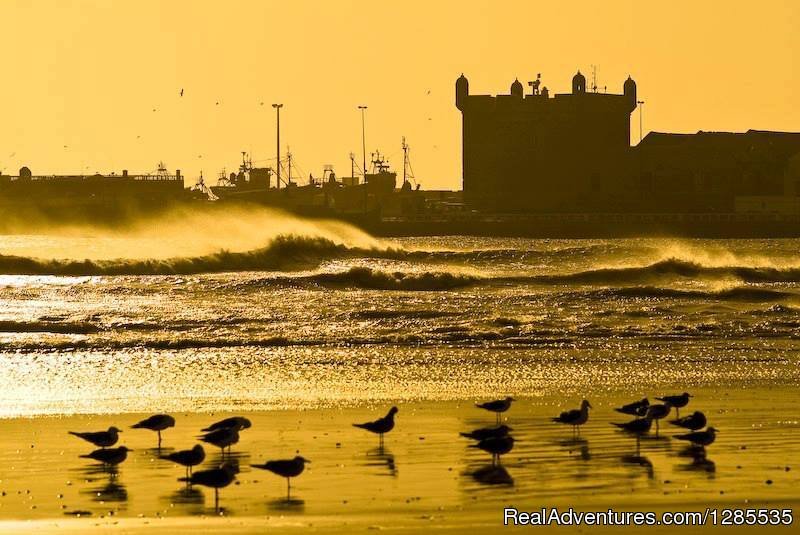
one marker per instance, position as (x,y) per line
(426,476)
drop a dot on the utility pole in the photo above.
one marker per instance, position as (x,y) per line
(278,145)
(641,108)
(363,141)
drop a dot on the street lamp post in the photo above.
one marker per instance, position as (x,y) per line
(278,146)
(363,141)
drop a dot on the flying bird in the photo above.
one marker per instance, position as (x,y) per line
(381,425)
(497,406)
(695,421)
(287,468)
(157,423)
(575,417)
(181,91)
(102,439)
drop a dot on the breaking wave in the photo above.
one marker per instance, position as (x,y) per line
(674,267)
(283,253)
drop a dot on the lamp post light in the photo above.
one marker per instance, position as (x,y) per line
(363,141)
(278,146)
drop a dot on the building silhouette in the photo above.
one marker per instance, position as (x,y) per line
(571,153)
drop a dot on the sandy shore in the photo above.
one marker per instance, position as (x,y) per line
(425,478)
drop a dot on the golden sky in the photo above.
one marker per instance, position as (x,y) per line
(81,79)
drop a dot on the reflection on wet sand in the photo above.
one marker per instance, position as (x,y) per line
(640,461)
(699,460)
(492,474)
(383,458)
(287,505)
(542,463)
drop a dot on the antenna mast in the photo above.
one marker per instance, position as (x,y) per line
(594,78)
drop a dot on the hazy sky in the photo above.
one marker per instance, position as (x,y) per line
(81,79)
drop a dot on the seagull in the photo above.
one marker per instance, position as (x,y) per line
(187,458)
(677,401)
(700,438)
(287,468)
(497,406)
(657,412)
(104,439)
(638,427)
(637,408)
(157,422)
(110,456)
(235,422)
(381,425)
(222,438)
(497,446)
(695,421)
(575,417)
(216,478)
(488,432)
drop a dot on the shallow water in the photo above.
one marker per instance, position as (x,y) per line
(408,319)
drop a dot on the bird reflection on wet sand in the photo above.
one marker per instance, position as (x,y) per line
(577,444)
(381,457)
(640,461)
(110,489)
(699,460)
(492,474)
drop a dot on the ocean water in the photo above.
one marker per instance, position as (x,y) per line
(308,327)
(320,315)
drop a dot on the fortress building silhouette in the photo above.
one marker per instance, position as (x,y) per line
(571,153)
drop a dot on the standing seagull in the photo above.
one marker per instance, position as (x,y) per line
(488,432)
(222,438)
(236,422)
(695,421)
(638,427)
(497,446)
(700,438)
(658,412)
(678,401)
(287,468)
(497,406)
(637,408)
(216,478)
(187,458)
(381,425)
(575,417)
(103,439)
(110,456)
(157,422)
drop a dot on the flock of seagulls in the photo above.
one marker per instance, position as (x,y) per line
(496,440)
(647,413)
(222,434)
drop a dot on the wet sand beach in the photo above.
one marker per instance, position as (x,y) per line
(425,477)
